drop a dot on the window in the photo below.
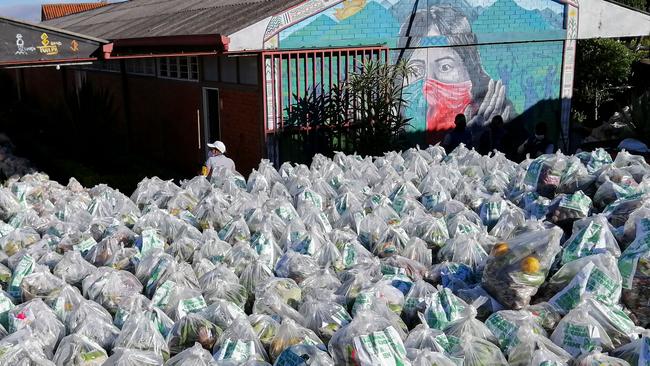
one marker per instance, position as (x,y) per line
(228,69)
(211,68)
(182,68)
(248,70)
(142,66)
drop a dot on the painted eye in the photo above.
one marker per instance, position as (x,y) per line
(446,67)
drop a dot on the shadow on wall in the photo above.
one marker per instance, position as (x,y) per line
(299,146)
(75,136)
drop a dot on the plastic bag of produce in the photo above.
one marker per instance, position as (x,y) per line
(76,350)
(222,313)
(423,337)
(609,191)
(304,355)
(618,212)
(426,357)
(636,352)
(546,315)
(618,325)
(22,354)
(193,356)
(543,174)
(212,248)
(256,273)
(109,287)
(507,223)
(134,357)
(290,333)
(40,284)
(595,274)
(73,268)
(454,276)
(578,332)
(265,327)
(597,358)
(634,265)
(140,333)
(41,320)
(591,235)
(368,340)
(238,344)
(565,209)
(415,300)
(515,270)
(324,318)
(382,291)
(535,349)
(506,324)
(468,324)
(102,333)
(87,312)
(464,249)
(443,307)
(295,266)
(477,352)
(189,330)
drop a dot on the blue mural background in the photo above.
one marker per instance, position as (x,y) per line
(519,42)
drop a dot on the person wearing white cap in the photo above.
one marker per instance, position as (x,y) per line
(218,160)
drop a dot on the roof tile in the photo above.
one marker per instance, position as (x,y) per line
(53,11)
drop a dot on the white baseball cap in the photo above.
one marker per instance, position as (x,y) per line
(219,146)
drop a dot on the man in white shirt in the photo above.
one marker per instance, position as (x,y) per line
(218,160)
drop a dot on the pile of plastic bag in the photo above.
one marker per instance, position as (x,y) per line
(413,258)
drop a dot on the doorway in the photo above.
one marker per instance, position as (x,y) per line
(212,127)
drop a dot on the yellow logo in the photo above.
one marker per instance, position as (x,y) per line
(48,48)
(350,7)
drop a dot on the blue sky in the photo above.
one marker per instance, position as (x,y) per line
(29,9)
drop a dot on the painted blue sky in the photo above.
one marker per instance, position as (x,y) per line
(29,10)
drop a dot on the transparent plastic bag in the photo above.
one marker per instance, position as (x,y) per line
(73,268)
(464,249)
(477,352)
(295,266)
(109,287)
(382,291)
(427,358)
(222,313)
(104,334)
(415,301)
(290,333)
(515,270)
(140,333)
(304,355)
(578,332)
(87,312)
(41,320)
(467,323)
(423,337)
(634,265)
(265,327)
(596,358)
(76,350)
(534,348)
(368,340)
(193,356)
(191,329)
(134,357)
(595,274)
(591,235)
(239,343)
(324,318)
(636,352)
(443,307)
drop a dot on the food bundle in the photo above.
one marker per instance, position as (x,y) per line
(411,258)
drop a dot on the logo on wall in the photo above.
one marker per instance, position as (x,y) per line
(20,45)
(74,46)
(49,48)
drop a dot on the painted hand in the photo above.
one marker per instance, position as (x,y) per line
(494,103)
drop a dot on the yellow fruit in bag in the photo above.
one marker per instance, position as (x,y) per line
(500,249)
(530,265)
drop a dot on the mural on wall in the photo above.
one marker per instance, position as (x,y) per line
(478,57)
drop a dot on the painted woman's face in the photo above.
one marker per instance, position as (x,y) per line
(439,63)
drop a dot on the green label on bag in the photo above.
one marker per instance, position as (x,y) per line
(600,283)
(578,339)
(161,297)
(578,201)
(151,240)
(24,267)
(85,245)
(382,348)
(504,330)
(235,350)
(532,174)
(583,244)
(191,306)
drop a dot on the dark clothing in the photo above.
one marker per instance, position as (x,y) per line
(456,137)
(492,139)
(536,147)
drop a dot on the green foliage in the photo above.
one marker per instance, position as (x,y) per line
(638,4)
(603,70)
(363,114)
